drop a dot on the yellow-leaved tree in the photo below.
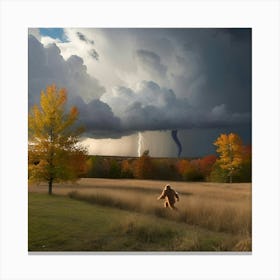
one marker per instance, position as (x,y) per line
(230,149)
(54,152)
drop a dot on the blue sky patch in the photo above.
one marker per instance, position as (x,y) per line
(56,33)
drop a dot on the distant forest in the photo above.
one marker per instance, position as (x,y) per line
(178,169)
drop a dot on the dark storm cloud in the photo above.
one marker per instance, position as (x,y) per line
(151,61)
(97,118)
(209,66)
(214,63)
(152,107)
(197,78)
(46,66)
(225,63)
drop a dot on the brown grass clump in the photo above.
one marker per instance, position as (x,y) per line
(244,245)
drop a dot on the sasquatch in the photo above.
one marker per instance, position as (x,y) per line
(169,195)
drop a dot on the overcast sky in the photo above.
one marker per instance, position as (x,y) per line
(134,86)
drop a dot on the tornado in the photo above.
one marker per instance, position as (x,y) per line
(176,140)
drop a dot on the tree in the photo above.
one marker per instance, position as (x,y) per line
(144,168)
(245,174)
(126,169)
(114,169)
(206,164)
(54,152)
(218,174)
(230,149)
(165,169)
(188,170)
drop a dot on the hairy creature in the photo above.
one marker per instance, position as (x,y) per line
(170,196)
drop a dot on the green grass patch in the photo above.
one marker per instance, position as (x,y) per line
(58,223)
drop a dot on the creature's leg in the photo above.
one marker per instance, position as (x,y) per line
(173,206)
(165,204)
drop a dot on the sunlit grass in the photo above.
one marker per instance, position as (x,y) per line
(221,208)
(208,212)
(57,223)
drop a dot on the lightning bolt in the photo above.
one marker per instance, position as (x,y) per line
(140,143)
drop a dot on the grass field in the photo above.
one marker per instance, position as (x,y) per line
(124,215)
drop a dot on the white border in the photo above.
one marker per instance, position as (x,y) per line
(17,16)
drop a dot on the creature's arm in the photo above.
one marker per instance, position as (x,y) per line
(162,196)
(177,196)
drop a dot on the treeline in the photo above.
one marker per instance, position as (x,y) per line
(207,168)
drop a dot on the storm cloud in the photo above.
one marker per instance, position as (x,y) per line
(149,79)
(46,66)
(151,107)
(151,62)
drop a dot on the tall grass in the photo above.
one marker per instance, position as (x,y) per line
(220,215)
(221,208)
(77,226)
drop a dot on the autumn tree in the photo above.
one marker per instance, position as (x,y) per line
(54,152)
(182,167)
(126,169)
(230,150)
(206,164)
(165,169)
(144,168)
(189,170)
(245,174)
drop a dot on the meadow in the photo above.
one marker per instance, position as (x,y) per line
(124,215)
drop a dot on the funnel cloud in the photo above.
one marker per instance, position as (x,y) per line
(177,141)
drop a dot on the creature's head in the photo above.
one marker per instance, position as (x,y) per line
(167,187)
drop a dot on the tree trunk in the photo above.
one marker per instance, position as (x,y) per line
(50,186)
(230,179)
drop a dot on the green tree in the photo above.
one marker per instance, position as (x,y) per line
(230,150)
(218,174)
(97,167)
(54,152)
(114,169)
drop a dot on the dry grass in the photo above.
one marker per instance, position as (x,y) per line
(58,223)
(214,206)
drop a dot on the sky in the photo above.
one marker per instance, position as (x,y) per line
(169,91)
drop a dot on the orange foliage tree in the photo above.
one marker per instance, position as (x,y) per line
(189,170)
(206,164)
(230,149)
(143,168)
(245,174)
(54,153)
